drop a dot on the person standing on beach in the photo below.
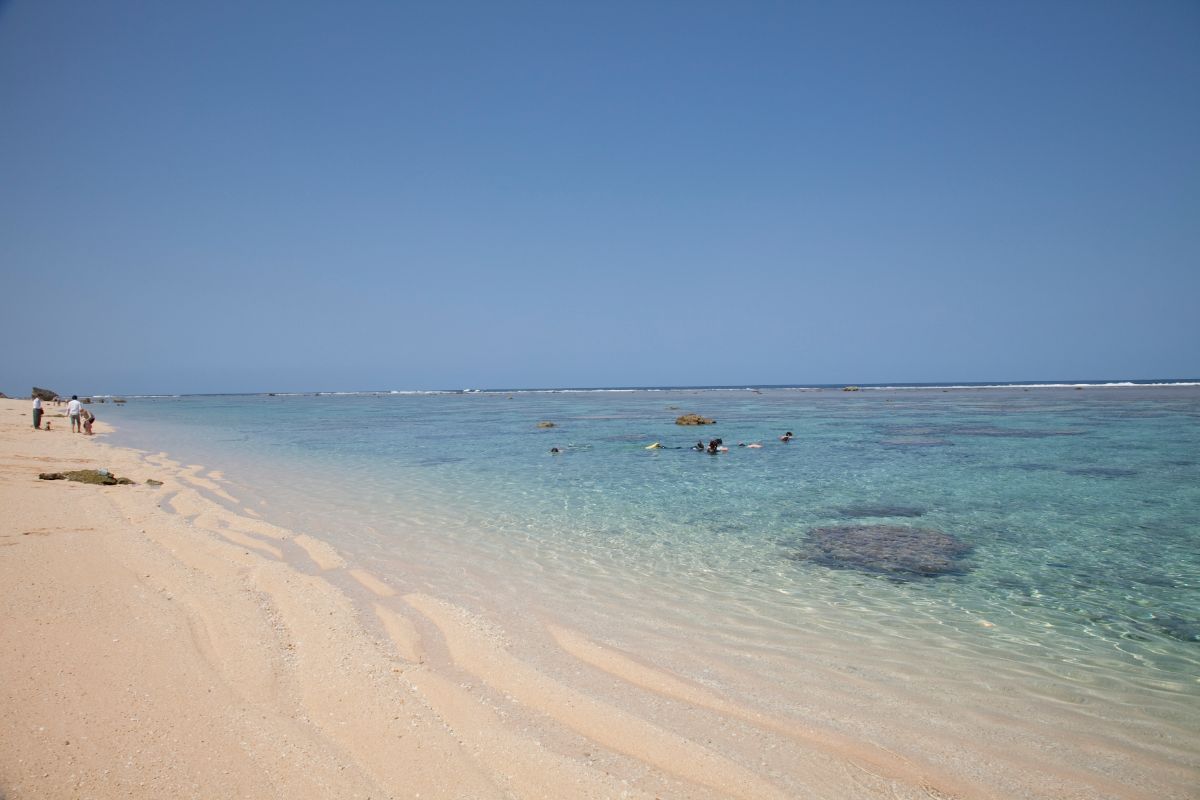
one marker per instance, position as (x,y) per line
(37,412)
(73,409)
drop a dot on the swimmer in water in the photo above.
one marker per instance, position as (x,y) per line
(787,437)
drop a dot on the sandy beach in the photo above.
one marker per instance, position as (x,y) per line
(162,641)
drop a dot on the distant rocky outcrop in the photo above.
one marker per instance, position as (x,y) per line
(3,396)
(892,550)
(44,394)
(100,477)
(694,419)
(850,389)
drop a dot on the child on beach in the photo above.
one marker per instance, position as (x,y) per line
(88,418)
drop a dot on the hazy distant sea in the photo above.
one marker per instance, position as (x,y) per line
(1076,513)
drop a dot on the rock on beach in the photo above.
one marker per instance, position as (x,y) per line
(100,477)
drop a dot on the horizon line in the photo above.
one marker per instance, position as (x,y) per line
(1045,384)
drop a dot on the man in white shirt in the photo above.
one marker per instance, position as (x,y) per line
(37,412)
(73,409)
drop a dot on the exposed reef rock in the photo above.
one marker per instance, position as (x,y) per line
(891,550)
(100,477)
(694,419)
(44,394)
(546,424)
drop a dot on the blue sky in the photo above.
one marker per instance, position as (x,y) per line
(228,196)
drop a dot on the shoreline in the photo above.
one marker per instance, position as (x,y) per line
(214,659)
(167,645)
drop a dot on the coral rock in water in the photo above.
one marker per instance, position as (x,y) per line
(892,550)
(693,419)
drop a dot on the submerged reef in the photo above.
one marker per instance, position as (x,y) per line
(1101,472)
(892,550)
(1178,628)
(984,431)
(858,512)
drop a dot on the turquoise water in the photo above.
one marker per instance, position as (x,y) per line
(1079,510)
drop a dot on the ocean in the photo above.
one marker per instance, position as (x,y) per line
(956,545)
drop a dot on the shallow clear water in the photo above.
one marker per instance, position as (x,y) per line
(1080,509)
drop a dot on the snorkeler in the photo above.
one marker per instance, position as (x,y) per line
(787,437)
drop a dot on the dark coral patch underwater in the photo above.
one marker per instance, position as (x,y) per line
(1102,472)
(891,550)
(859,512)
